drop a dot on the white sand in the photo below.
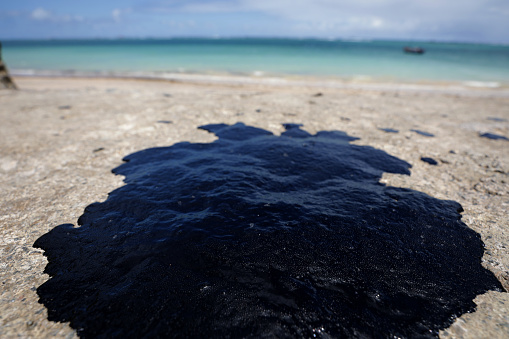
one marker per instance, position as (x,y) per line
(49,171)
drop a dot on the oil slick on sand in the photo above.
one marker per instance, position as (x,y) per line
(258,235)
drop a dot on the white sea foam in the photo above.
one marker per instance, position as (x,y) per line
(309,82)
(482,84)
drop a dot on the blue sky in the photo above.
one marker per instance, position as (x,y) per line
(442,20)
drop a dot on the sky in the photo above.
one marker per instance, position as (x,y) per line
(436,20)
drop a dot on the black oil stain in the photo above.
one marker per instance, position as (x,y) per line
(426,134)
(257,235)
(389,130)
(497,119)
(430,161)
(492,136)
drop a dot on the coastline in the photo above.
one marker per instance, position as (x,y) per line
(61,137)
(382,61)
(483,88)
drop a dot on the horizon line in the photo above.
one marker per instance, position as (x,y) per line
(248,37)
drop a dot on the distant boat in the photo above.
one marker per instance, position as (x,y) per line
(413,50)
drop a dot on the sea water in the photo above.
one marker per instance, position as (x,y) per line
(483,65)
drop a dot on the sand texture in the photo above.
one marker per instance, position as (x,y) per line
(60,139)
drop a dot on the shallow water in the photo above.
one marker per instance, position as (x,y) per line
(257,235)
(479,65)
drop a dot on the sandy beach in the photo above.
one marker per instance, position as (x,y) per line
(61,137)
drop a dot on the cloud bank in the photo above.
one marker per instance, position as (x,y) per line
(466,20)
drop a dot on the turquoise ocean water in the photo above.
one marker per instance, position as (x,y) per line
(376,60)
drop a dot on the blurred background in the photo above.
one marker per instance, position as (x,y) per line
(454,20)
(463,40)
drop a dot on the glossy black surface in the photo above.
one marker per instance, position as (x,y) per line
(497,119)
(493,136)
(430,161)
(426,134)
(389,130)
(257,235)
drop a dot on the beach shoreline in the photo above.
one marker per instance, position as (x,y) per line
(305,59)
(61,136)
(483,88)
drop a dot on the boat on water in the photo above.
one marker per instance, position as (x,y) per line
(414,50)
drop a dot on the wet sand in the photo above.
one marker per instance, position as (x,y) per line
(61,137)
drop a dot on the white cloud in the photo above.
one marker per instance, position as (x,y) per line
(390,18)
(478,20)
(118,13)
(41,14)
(214,7)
